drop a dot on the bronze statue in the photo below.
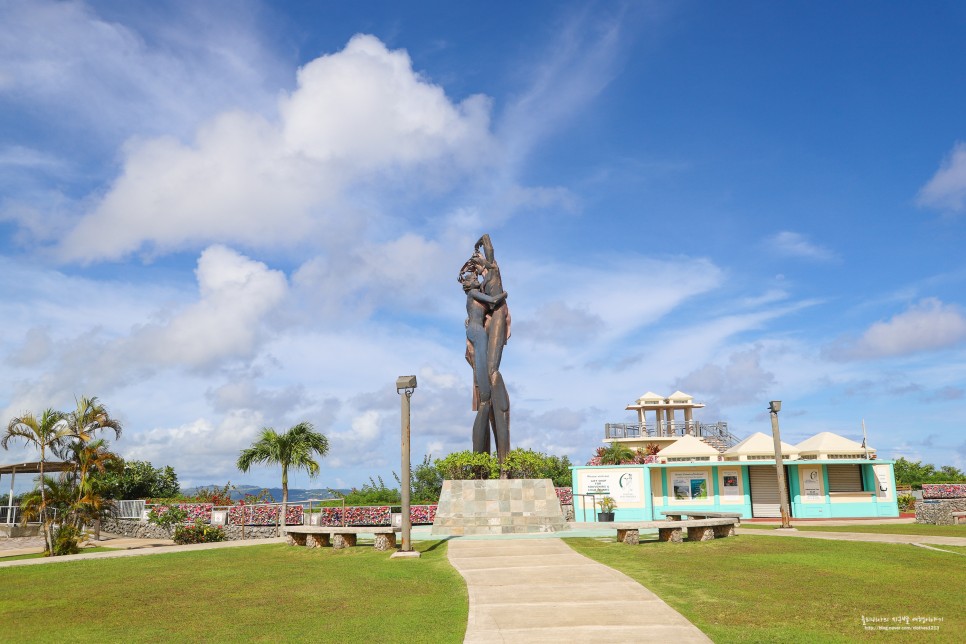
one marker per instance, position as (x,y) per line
(487,331)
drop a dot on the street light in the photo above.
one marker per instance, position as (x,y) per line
(405,386)
(774,407)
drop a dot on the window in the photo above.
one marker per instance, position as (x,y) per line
(844,478)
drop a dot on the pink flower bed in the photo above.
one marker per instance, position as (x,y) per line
(565,495)
(263,514)
(375,515)
(195,511)
(943,490)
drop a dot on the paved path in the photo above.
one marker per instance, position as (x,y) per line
(858,536)
(540,590)
(140,550)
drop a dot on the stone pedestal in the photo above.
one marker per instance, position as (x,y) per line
(340,541)
(517,506)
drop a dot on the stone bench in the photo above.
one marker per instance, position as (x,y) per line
(673,531)
(959,517)
(698,514)
(340,536)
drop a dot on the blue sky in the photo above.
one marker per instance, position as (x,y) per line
(223,216)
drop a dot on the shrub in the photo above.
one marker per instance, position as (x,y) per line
(167,516)
(907,503)
(66,540)
(198,533)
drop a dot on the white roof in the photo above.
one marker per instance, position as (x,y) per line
(650,397)
(759,444)
(680,396)
(688,446)
(829,443)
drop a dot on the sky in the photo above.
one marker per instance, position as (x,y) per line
(223,216)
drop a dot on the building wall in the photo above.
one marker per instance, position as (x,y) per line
(644,492)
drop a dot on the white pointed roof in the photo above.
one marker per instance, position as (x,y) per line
(759,444)
(688,446)
(680,396)
(829,443)
(650,397)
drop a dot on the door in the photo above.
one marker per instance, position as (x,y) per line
(765,499)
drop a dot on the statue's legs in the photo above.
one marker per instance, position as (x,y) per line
(481,428)
(500,417)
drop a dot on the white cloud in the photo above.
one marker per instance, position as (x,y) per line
(947,189)
(358,115)
(741,380)
(929,325)
(791,244)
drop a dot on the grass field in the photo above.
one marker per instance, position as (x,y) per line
(270,593)
(896,528)
(750,589)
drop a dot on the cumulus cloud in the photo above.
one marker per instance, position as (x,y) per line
(361,115)
(741,380)
(791,244)
(929,325)
(946,190)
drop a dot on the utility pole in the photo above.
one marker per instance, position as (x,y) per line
(405,386)
(774,407)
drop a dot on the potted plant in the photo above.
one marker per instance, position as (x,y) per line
(607,505)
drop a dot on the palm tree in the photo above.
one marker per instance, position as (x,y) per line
(89,417)
(294,448)
(47,432)
(88,459)
(615,454)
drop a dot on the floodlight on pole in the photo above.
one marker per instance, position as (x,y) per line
(774,407)
(405,386)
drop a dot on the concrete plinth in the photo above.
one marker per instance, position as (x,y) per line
(516,506)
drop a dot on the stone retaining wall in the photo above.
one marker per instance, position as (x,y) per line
(939,511)
(138,530)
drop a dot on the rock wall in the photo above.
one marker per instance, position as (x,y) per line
(138,530)
(939,511)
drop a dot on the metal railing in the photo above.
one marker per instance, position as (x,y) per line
(130,509)
(716,434)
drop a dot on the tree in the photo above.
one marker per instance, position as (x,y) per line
(90,416)
(46,433)
(294,448)
(615,454)
(140,480)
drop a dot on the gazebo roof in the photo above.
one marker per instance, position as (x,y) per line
(759,444)
(34,467)
(650,397)
(828,443)
(680,396)
(688,446)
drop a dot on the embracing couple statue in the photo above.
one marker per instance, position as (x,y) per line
(487,331)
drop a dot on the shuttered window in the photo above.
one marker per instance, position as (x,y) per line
(844,478)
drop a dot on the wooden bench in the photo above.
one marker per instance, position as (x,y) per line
(340,536)
(673,531)
(958,517)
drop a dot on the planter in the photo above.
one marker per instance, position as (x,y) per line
(605,516)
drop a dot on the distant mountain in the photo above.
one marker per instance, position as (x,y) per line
(294,493)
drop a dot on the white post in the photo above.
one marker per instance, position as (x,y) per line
(13,475)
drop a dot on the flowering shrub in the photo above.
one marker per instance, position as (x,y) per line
(565,495)
(374,515)
(943,490)
(199,532)
(263,514)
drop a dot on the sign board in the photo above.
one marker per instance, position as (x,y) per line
(729,482)
(621,485)
(689,485)
(812,484)
(882,482)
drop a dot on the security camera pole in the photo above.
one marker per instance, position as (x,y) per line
(774,407)
(405,385)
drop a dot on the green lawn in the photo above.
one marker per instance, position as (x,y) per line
(40,555)
(895,528)
(270,593)
(752,589)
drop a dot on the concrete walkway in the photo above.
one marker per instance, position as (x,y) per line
(857,536)
(540,590)
(140,549)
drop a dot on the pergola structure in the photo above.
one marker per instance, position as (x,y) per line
(664,408)
(28,468)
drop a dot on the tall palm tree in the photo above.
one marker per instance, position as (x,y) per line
(88,459)
(293,448)
(45,433)
(89,417)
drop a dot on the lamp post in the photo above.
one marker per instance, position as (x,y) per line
(405,386)
(774,407)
